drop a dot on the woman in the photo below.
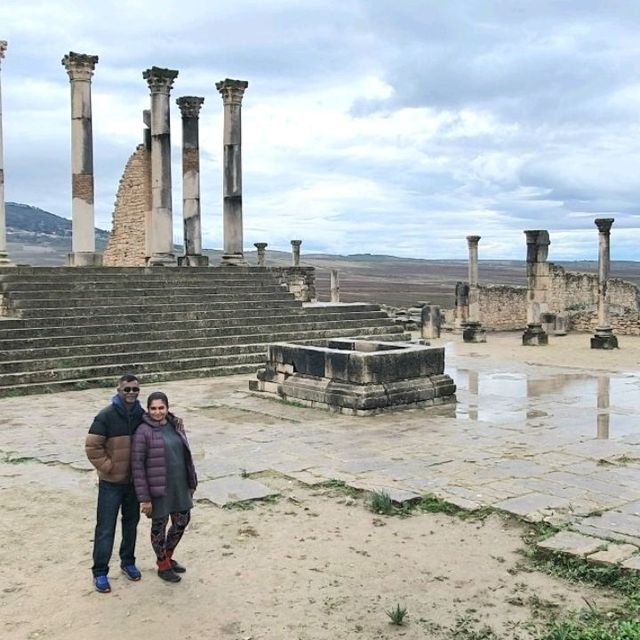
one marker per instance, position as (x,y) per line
(164,478)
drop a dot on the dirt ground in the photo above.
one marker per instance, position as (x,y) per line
(312,565)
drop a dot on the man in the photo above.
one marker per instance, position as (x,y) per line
(108,447)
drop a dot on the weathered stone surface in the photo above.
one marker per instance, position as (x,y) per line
(632,563)
(571,543)
(229,489)
(614,554)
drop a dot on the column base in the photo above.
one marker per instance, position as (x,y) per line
(473,332)
(162,260)
(84,259)
(196,260)
(535,336)
(234,260)
(5,261)
(604,339)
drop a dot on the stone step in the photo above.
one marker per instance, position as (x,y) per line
(62,326)
(71,304)
(87,346)
(162,308)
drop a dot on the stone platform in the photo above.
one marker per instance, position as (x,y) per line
(356,377)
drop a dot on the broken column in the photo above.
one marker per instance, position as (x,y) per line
(4,258)
(430,321)
(462,306)
(473,331)
(80,68)
(261,249)
(295,253)
(161,242)
(232,92)
(335,286)
(537,286)
(603,337)
(190,111)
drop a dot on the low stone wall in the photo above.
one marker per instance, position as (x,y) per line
(301,281)
(626,323)
(502,307)
(126,246)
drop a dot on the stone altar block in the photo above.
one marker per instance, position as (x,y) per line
(356,377)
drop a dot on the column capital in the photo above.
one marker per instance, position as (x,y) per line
(79,66)
(3,48)
(296,243)
(537,236)
(473,239)
(604,224)
(189,106)
(232,90)
(160,80)
(260,245)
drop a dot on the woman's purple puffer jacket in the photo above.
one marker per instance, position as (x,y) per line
(148,461)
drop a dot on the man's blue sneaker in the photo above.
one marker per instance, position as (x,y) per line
(102,584)
(131,571)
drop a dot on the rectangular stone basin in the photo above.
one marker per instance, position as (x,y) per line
(356,376)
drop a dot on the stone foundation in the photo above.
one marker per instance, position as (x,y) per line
(356,377)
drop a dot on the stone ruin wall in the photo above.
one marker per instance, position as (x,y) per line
(300,281)
(126,246)
(502,307)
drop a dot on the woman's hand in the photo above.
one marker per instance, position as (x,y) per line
(145,507)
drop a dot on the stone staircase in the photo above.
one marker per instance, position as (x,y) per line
(64,328)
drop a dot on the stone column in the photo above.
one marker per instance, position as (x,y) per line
(295,253)
(430,321)
(190,111)
(462,306)
(261,246)
(80,68)
(335,286)
(160,82)
(473,331)
(603,337)
(4,258)
(537,286)
(232,92)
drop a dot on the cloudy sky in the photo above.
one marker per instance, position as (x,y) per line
(381,126)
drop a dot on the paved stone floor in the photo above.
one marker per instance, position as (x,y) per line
(537,441)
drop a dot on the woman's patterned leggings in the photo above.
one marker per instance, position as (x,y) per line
(163,541)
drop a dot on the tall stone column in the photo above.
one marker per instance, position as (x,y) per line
(295,253)
(232,92)
(190,111)
(260,248)
(160,82)
(603,337)
(537,286)
(80,68)
(335,286)
(4,258)
(473,331)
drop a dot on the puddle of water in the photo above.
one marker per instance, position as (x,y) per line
(599,406)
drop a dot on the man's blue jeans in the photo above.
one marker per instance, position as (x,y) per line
(111,499)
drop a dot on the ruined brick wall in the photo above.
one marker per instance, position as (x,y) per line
(126,246)
(300,281)
(573,290)
(503,308)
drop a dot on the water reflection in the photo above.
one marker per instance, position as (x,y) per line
(570,402)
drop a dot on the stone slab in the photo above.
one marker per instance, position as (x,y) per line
(531,505)
(614,554)
(632,563)
(230,489)
(572,543)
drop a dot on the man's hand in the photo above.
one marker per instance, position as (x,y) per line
(145,507)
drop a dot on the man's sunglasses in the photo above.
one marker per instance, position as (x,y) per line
(131,389)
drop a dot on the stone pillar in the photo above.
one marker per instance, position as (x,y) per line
(335,286)
(4,258)
(295,253)
(80,68)
(160,82)
(473,331)
(462,306)
(190,111)
(232,92)
(537,286)
(261,246)
(430,321)
(603,337)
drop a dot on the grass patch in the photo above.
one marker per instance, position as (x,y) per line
(339,486)
(397,616)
